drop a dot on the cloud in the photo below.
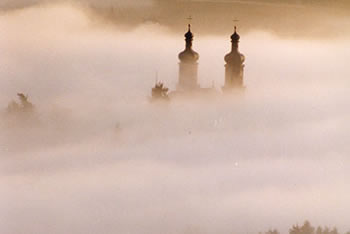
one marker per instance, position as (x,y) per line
(317,19)
(273,157)
(12,5)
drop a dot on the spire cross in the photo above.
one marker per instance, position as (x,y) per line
(235,21)
(190,18)
(189,22)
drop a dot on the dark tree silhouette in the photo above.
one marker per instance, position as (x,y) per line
(334,231)
(294,230)
(26,105)
(307,228)
(272,231)
(326,230)
(319,230)
(23,106)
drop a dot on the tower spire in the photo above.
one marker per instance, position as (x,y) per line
(189,35)
(188,65)
(235,36)
(235,21)
(189,20)
(234,64)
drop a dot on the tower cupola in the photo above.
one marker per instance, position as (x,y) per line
(188,66)
(234,56)
(234,67)
(235,37)
(188,55)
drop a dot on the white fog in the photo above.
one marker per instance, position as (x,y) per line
(99,157)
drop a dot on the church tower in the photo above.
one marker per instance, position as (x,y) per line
(234,66)
(188,66)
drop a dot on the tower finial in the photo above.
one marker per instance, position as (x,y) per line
(234,63)
(235,23)
(189,22)
(235,37)
(189,35)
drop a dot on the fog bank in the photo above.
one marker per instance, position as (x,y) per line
(98,157)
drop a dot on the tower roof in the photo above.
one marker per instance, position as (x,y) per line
(235,57)
(189,34)
(235,36)
(189,55)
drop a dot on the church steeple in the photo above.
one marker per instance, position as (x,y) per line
(189,55)
(189,37)
(235,39)
(229,58)
(234,64)
(188,65)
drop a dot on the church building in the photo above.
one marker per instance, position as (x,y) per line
(188,69)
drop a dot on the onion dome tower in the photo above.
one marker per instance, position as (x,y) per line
(234,65)
(188,66)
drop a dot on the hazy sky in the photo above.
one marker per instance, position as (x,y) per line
(276,156)
(291,18)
